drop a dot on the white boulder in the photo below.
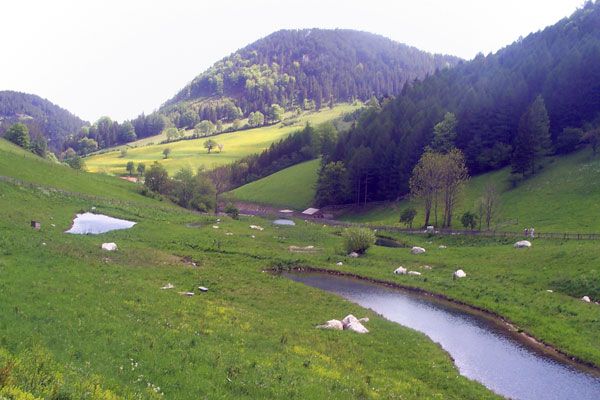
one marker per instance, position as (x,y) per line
(353,255)
(586,299)
(460,274)
(215,226)
(522,244)
(109,246)
(426,267)
(400,271)
(416,273)
(339,263)
(168,286)
(332,324)
(357,327)
(257,227)
(417,250)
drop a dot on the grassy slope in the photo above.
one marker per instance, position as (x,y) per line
(292,187)
(104,321)
(190,153)
(563,197)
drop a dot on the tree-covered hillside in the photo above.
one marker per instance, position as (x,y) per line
(307,69)
(488,98)
(40,115)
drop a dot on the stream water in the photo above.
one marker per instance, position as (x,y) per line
(481,348)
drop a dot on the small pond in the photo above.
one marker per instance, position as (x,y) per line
(481,348)
(286,222)
(94,224)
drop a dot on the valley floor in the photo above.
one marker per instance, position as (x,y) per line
(81,320)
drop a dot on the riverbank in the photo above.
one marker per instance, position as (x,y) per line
(500,321)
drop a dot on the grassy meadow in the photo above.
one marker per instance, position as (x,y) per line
(292,187)
(191,153)
(79,322)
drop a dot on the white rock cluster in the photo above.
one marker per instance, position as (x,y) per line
(417,250)
(109,246)
(349,323)
(459,273)
(522,244)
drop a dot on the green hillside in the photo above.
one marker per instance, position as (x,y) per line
(292,187)
(190,153)
(563,197)
(85,323)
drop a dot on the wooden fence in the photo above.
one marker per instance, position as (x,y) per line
(494,234)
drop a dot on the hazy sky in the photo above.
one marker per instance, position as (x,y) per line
(122,57)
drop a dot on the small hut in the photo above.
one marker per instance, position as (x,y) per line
(312,213)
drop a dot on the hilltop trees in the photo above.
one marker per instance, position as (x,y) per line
(18,134)
(488,96)
(303,68)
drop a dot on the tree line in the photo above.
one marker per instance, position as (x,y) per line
(535,97)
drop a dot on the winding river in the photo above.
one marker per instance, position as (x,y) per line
(482,349)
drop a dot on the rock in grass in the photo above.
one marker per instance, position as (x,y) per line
(400,271)
(332,324)
(416,273)
(215,226)
(586,299)
(349,319)
(459,274)
(357,327)
(522,244)
(257,227)
(202,289)
(353,255)
(168,286)
(417,250)
(109,246)
(339,263)
(443,247)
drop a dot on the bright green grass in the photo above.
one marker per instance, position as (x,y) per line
(292,187)
(563,197)
(77,319)
(191,153)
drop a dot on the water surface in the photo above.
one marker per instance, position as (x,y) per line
(93,224)
(287,222)
(482,350)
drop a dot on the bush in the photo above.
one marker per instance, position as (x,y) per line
(232,211)
(358,240)
(469,220)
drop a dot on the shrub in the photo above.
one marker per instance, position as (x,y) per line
(408,216)
(469,220)
(358,240)
(232,211)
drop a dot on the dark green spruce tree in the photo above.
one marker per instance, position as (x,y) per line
(533,138)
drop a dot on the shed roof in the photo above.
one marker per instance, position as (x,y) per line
(310,211)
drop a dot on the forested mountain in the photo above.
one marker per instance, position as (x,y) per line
(40,115)
(488,96)
(306,69)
